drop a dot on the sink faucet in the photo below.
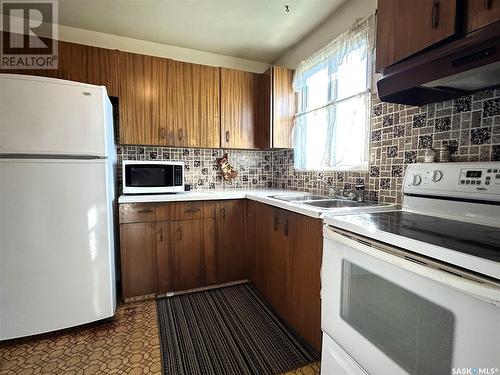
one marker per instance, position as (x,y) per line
(357,194)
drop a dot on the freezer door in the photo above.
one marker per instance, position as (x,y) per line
(56,245)
(52,116)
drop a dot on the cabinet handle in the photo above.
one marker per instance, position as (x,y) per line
(179,234)
(487,3)
(181,134)
(276,223)
(228,136)
(192,209)
(149,210)
(223,213)
(161,235)
(435,14)
(285,227)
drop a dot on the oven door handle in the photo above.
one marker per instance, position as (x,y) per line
(484,289)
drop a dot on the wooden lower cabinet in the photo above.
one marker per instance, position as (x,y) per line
(286,267)
(231,250)
(305,250)
(138,258)
(168,247)
(193,254)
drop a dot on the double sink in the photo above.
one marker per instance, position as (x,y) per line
(321,201)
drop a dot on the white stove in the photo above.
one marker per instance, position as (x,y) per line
(417,290)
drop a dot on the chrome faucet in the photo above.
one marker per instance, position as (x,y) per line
(357,194)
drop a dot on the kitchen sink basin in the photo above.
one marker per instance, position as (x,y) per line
(338,203)
(299,197)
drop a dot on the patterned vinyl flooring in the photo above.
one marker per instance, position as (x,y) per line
(127,344)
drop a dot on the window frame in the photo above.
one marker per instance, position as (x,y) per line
(301,100)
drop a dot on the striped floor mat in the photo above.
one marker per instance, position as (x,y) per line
(229,330)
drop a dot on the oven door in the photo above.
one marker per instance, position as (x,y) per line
(395,315)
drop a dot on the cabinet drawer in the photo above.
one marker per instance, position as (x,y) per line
(192,210)
(137,212)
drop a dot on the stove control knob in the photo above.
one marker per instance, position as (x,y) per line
(416,180)
(437,176)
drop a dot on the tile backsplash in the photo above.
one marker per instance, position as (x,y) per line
(469,126)
(202,171)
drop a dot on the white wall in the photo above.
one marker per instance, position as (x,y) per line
(71,34)
(335,25)
(97,39)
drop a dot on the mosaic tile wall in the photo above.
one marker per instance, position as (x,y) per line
(202,171)
(469,126)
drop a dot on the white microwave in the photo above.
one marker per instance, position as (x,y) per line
(152,177)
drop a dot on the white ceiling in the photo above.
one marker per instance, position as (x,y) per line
(259,30)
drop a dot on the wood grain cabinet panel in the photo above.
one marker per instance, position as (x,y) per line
(144,100)
(163,256)
(303,279)
(285,266)
(273,248)
(195,95)
(193,243)
(283,104)
(138,259)
(230,221)
(405,27)
(239,125)
(480,13)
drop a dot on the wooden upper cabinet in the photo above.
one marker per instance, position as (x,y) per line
(480,13)
(239,124)
(87,64)
(405,27)
(145,107)
(195,95)
(283,104)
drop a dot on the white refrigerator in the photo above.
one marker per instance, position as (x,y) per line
(57,159)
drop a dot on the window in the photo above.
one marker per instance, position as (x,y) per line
(331,130)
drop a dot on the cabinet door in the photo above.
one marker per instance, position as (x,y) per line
(265,121)
(480,13)
(239,128)
(87,64)
(283,107)
(252,249)
(405,27)
(138,259)
(193,253)
(195,96)
(164,256)
(103,69)
(144,104)
(230,223)
(303,278)
(274,262)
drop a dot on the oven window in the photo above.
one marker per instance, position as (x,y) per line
(138,175)
(412,331)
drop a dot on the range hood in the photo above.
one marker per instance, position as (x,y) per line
(457,68)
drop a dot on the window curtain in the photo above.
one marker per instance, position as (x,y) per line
(331,128)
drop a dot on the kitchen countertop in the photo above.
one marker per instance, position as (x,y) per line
(263,196)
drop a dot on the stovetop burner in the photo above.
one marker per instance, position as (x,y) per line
(473,239)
